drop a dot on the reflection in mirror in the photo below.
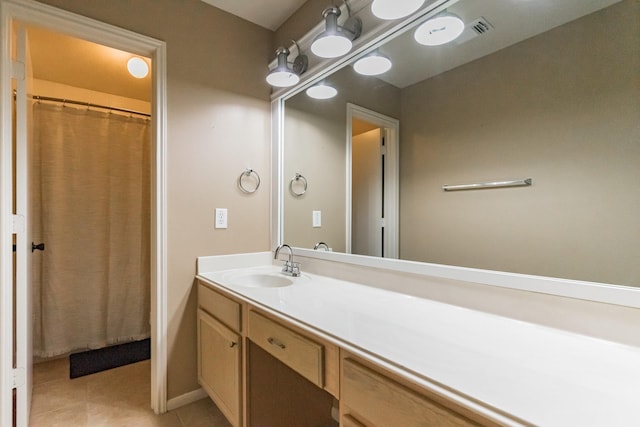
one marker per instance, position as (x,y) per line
(544,89)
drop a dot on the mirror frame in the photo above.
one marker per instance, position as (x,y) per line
(377,35)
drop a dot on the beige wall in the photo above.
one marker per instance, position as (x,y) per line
(315,145)
(562,108)
(218,124)
(299,23)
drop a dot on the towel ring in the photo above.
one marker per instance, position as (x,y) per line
(296,179)
(248,173)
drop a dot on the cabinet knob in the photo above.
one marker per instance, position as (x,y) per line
(233,344)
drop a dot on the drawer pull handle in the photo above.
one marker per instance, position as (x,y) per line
(233,344)
(277,343)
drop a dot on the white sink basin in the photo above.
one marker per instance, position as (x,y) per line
(266,277)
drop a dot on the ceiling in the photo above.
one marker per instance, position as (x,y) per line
(59,58)
(269,14)
(510,22)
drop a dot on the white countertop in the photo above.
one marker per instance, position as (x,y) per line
(541,375)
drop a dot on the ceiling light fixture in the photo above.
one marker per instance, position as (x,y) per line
(394,9)
(336,40)
(440,29)
(372,64)
(282,75)
(322,91)
(137,67)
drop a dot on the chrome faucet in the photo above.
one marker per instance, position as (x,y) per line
(290,267)
(317,246)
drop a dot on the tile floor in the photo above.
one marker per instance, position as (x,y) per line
(114,398)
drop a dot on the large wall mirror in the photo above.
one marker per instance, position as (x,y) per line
(547,90)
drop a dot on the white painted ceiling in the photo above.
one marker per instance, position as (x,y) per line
(512,21)
(269,14)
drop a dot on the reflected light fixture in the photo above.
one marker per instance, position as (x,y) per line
(284,76)
(372,64)
(322,91)
(137,67)
(394,9)
(336,40)
(440,29)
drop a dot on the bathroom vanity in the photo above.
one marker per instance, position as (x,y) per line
(389,358)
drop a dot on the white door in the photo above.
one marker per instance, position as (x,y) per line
(367,186)
(372,183)
(24,252)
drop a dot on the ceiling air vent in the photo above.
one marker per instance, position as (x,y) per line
(473,29)
(480,25)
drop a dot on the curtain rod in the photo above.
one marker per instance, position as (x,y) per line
(86,104)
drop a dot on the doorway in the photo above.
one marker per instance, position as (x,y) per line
(20,12)
(372,194)
(88,174)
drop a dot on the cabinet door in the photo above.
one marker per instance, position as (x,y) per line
(219,365)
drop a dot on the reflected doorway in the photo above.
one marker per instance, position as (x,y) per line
(372,200)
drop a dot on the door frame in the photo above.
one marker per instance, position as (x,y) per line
(33,13)
(391,132)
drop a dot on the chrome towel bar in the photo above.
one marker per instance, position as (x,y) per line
(496,184)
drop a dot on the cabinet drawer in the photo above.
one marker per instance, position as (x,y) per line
(294,350)
(219,306)
(375,400)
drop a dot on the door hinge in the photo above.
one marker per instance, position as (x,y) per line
(383,150)
(18,377)
(17,70)
(381,222)
(18,224)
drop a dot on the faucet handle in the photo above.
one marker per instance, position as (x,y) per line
(295,269)
(286,267)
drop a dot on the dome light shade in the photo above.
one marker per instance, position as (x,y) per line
(395,9)
(331,46)
(440,29)
(322,92)
(282,75)
(372,65)
(282,78)
(336,40)
(137,67)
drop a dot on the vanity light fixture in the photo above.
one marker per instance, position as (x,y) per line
(284,76)
(137,67)
(372,64)
(336,40)
(395,9)
(322,91)
(440,29)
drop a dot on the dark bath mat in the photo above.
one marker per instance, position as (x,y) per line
(92,361)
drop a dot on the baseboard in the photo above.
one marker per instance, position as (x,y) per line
(185,399)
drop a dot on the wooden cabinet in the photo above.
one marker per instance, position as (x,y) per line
(253,382)
(371,398)
(220,351)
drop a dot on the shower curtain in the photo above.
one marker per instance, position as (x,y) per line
(90,200)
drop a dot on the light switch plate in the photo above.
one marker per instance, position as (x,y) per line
(317,219)
(221,218)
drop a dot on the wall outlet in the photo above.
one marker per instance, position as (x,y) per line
(221,218)
(317,219)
